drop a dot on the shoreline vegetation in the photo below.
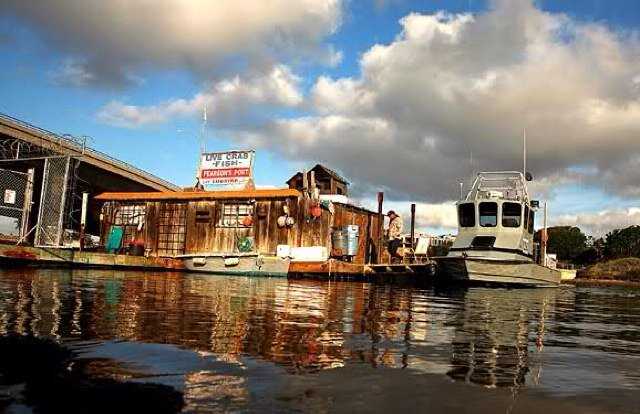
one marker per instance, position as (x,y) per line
(619,270)
(610,260)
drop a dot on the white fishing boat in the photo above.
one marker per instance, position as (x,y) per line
(495,235)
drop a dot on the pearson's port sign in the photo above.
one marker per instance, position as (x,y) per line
(231,167)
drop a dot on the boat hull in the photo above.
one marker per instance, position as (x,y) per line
(492,271)
(254,265)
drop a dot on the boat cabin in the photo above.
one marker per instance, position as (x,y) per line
(497,214)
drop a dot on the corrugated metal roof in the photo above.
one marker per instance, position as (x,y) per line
(200,195)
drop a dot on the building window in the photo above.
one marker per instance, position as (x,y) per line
(511,214)
(488,214)
(467,215)
(233,214)
(131,218)
(203,216)
(172,227)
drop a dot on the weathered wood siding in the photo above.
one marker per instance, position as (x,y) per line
(203,234)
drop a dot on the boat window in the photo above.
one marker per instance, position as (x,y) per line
(511,214)
(488,214)
(467,215)
(526,215)
(531,218)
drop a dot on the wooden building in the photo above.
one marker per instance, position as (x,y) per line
(327,181)
(227,223)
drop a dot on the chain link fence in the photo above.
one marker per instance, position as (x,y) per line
(51,214)
(15,200)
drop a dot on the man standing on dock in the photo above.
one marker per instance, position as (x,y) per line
(395,234)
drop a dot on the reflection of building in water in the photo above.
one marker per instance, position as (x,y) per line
(206,391)
(491,343)
(303,325)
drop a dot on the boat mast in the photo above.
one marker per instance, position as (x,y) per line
(524,152)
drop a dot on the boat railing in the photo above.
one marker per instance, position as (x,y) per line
(511,184)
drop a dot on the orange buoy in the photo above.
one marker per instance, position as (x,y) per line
(316,211)
(247,221)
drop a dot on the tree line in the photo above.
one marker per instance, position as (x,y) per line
(570,244)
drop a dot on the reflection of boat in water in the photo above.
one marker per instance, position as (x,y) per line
(491,345)
(495,235)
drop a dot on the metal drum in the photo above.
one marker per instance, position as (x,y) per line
(339,243)
(353,237)
(344,241)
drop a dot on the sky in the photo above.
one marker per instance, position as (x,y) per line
(405,97)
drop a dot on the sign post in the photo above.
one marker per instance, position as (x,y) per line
(226,168)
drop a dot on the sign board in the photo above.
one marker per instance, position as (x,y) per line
(9,196)
(231,167)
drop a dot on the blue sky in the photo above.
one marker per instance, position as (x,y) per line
(70,77)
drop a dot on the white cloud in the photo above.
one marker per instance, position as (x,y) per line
(601,222)
(454,85)
(72,72)
(115,36)
(225,100)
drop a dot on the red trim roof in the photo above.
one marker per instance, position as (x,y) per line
(200,195)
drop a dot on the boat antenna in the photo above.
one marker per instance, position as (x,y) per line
(524,152)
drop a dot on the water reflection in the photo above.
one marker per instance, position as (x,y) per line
(488,337)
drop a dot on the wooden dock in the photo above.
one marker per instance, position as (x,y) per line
(12,255)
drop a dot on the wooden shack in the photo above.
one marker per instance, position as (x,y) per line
(230,222)
(327,181)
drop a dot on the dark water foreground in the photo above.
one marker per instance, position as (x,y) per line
(273,345)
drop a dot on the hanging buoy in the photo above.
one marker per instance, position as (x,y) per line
(282,221)
(316,211)
(247,221)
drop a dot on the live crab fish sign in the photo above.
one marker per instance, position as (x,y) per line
(230,167)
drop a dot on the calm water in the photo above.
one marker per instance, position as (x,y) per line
(256,344)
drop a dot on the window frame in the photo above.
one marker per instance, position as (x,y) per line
(480,214)
(231,214)
(473,217)
(503,216)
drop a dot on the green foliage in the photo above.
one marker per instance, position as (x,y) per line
(623,243)
(567,242)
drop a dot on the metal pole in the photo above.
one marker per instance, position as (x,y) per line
(380,226)
(544,237)
(28,201)
(83,218)
(413,226)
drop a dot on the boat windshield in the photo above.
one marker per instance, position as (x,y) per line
(467,215)
(488,214)
(511,214)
